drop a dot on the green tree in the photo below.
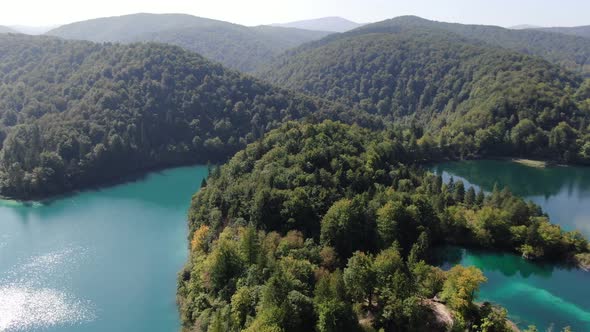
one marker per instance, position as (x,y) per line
(388,217)
(459,194)
(333,306)
(461,287)
(470,198)
(343,227)
(359,277)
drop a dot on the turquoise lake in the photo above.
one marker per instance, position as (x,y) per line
(107,260)
(103,260)
(548,296)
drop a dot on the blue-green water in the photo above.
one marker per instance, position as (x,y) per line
(545,295)
(103,260)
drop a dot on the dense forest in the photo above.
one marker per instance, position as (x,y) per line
(329,227)
(470,99)
(571,52)
(73,114)
(235,46)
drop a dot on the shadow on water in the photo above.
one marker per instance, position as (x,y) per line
(107,184)
(508,264)
(162,190)
(544,294)
(523,180)
(113,252)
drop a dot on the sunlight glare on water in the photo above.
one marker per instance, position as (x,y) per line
(26,303)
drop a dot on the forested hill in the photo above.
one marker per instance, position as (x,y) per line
(581,31)
(329,227)
(77,113)
(571,52)
(235,46)
(479,99)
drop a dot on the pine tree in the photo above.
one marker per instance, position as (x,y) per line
(470,197)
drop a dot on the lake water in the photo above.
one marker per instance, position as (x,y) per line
(107,260)
(545,295)
(103,260)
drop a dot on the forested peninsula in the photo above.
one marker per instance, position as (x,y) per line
(331,227)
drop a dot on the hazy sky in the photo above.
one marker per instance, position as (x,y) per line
(253,12)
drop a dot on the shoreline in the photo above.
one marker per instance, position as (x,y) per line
(135,176)
(582,261)
(140,173)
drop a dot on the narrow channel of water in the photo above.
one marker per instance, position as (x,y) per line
(545,295)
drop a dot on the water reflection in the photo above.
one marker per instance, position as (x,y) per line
(562,192)
(523,180)
(509,265)
(547,295)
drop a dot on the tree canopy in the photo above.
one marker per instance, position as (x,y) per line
(346,226)
(74,114)
(468,98)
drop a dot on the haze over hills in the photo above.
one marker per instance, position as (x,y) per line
(4,29)
(581,31)
(233,45)
(524,26)
(571,52)
(477,97)
(33,30)
(332,24)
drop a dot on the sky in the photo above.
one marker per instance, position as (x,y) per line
(254,12)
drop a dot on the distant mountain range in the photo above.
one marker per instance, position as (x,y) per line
(332,24)
(236,46)
(32,30)
(580,31)
(524,26)
(571,52)
(249,48)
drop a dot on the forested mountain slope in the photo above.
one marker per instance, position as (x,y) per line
(327,227)
(580,31)
(235,46)
(468,97)
(570,52)
(76,113)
